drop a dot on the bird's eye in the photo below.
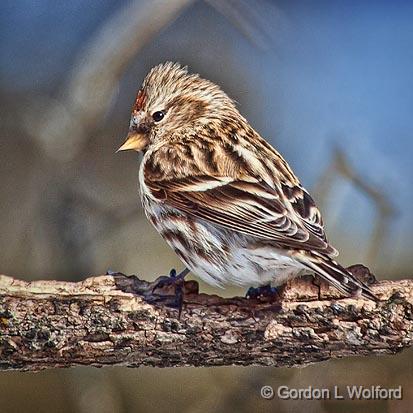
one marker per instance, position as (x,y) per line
(158,116)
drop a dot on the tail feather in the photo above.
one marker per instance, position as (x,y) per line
(338,276)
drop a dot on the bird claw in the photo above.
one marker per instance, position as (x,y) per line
(362,273)
(111,272)
(266,292)
(176,281)
(169,280)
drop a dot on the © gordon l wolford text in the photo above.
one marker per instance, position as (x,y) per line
(353,392)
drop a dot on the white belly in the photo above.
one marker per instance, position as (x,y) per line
(220,256)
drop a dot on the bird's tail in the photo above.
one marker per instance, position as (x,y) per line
(338,276)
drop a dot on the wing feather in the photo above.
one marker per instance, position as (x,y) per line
(248,206)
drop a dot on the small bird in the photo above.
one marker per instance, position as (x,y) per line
(220,195)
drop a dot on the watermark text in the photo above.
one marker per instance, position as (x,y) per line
(351,392)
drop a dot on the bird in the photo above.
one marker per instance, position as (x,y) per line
(219,194)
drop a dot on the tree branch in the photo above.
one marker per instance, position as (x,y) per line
(118,320)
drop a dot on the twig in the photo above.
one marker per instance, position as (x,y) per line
(341,166)
(118,320)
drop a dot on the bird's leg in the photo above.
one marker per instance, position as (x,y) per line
(362,273)
(177,281)
(265,291)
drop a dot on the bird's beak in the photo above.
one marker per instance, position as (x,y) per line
(135,141)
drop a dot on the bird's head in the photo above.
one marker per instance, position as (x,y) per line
(171,100)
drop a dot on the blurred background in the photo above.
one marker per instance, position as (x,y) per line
(328,83)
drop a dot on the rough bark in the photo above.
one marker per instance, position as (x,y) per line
(119,320)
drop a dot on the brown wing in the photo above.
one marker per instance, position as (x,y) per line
(286,215)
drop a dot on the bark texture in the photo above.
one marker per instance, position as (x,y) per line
(119,320)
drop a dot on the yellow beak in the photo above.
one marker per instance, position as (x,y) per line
(134,141)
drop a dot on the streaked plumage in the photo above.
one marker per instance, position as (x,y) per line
(221,196)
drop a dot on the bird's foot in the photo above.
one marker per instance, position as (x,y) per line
(264,293)
(173,282)
(362,273)
(111,272)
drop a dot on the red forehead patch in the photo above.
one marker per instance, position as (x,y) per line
(140,100)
